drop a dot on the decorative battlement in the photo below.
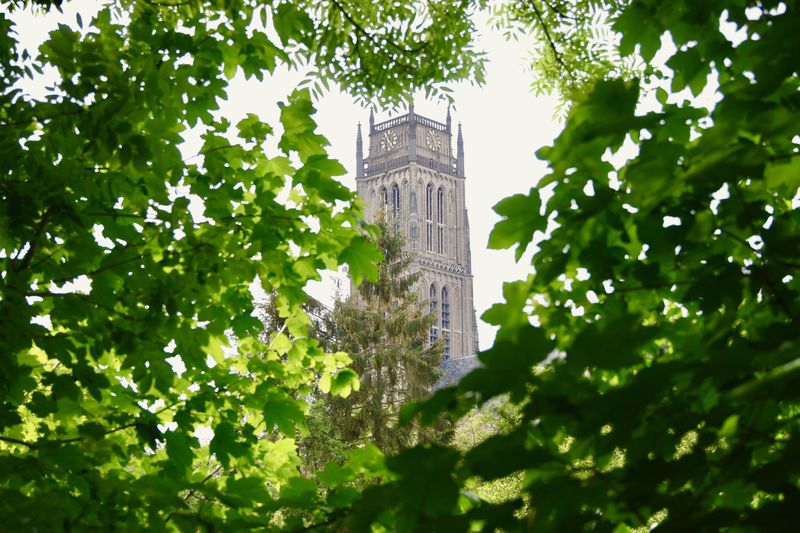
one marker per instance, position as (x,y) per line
(385,166)
(391,123)
(438,165)
(441,265)
(404,119)
(370,169)
(419,119)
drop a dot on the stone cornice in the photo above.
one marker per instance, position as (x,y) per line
(441,265)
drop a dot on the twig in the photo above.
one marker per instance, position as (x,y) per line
(167,4)
(653,286)
(194,491)
(360,30)
(558,11)
(17,441)
(550,39)
(26,261)
(329,521)
(41,120)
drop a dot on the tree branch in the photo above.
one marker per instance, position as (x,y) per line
(26,261)
(167,4)
(194,491)
(653,286)
(371,38)
(558,12)
(17,441)
(560,61)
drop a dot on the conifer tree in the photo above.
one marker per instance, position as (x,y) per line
(385,329)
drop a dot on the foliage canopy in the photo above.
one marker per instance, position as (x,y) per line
(663,306)
(109,282)
(653,351)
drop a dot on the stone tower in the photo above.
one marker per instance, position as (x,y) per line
(411,173)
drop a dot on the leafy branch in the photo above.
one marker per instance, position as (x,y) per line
(550,41)
(69,440)
(194,490)
(360,30)
(169,4)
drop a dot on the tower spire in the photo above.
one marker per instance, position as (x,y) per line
(449,120)
(460,153)
(359,154)
(371,119)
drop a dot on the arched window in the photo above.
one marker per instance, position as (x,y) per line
(429,217)
(435,312)
(440,220)
(429,236)
(446,321)
(429,203)
(385,196)
(396,200)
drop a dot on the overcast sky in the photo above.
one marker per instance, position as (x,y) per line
(503,125)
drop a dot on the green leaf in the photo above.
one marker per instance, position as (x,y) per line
(520,219)
(508,364)
(729,427)
(426,479)
(629,24)
(93,430)
(252,129)
(298,134)
(248,490)
(362,257)
(292,24)
(610,345)
(179,450)
(284,412)
(783,173)
(225,445)
(343,382)
(298,492)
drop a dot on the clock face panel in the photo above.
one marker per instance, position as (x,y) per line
(433,140)
(388,140)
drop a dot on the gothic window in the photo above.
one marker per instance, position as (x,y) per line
(429,240)
(385,197)
(440,220)
(413,202)
(434,311)
(429,216)
(446,321)
(429,203)
(395,200)
(440,205)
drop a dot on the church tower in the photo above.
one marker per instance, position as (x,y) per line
(411,173)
